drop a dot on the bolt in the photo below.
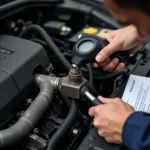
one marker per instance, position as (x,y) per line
(20,114)
(75,75)
(29,101)
(16,29)
(75,67)
(20,21)
(12,25)
(75,132)
(79,36)
(50,68)
(119,83)
(65,29)
(36,131)
(23,28)
(47,137)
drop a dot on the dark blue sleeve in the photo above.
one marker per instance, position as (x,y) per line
(136,131)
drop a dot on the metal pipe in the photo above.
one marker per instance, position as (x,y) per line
(89,95)
(54,81)
(32,115)
(95,101)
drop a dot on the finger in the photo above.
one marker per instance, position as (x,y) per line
(120,67)
(95,65)
(96,123)
(105,100)
(113,140)
(107,36)
(101,132)
(112,65)
(105,62)
(92,111)
(109,139)
(107,51)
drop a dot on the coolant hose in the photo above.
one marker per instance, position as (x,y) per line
(31,116)
(50,43)
(65,127)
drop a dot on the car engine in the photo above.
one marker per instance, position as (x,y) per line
(41,106)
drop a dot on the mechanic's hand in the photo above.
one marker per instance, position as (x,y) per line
(122,39)
(110,117)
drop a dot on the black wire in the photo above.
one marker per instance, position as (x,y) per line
(59,41)
(92,89)
(67,54)
(44,44)
(109,76)
(90,72)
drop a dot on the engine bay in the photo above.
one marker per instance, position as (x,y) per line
(39,108)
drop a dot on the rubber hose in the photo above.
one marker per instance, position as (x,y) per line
(31,116)
(65,127)
(50,43)
(109,76)
(45,44)
(90,72)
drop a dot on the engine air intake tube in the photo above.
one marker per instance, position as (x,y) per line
(31,116)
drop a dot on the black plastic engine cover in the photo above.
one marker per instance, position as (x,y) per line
(18,59)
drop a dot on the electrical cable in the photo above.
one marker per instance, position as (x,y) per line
(109,76)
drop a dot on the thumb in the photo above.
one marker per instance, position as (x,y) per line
(107,51)
(105,100)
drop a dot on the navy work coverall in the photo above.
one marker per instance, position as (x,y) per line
(136,131)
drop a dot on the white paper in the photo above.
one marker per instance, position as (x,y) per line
(137,93)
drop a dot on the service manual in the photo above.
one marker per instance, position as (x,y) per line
(137,93)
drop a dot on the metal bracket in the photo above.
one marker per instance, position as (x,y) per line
(72,89)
